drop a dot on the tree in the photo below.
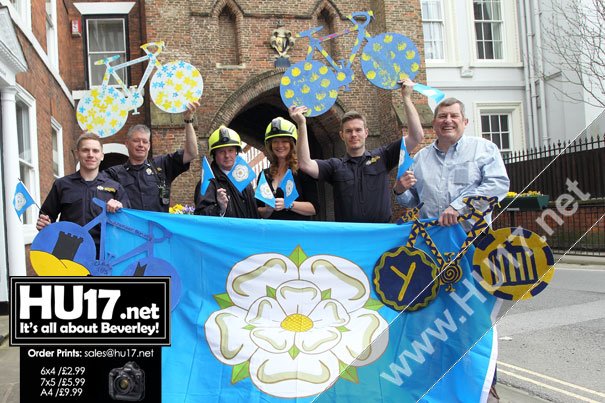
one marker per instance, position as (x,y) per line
(574,45)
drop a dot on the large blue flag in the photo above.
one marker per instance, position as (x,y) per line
(241,174)
(22,199)
(206,174)
(289,187)
(286,311)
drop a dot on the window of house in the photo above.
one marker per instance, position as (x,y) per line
(496,127)
(228,38)
(57,146)
(105,37)
(432,26)
(488,29)
(27,158)
(51,33)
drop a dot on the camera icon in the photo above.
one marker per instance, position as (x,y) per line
(127,383)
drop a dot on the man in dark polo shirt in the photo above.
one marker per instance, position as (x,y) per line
(360,179)
(71,196)
(147,180)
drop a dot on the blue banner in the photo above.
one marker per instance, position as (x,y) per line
(270,310)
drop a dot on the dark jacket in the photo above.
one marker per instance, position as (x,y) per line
(71,197)
(307,192)
(241,205)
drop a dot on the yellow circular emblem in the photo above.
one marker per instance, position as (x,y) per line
(513,263)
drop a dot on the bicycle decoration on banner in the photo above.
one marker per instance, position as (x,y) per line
(386,59)
(64,248)
(104,110)
(509,263)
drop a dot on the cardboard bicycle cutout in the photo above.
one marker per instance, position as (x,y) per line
(104,110)
(386,59)
(509,263)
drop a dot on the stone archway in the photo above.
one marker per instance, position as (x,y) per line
(250,109)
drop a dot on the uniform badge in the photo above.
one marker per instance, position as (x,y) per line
(373,160)
(148,170)
(99,187)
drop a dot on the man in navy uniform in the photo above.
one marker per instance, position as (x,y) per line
(71,196)
(360,179)
(147,180)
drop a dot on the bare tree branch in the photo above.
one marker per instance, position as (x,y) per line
(574,40)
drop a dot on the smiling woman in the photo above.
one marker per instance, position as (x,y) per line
(280,148)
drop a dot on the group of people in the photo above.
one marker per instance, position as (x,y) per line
(452,167)
(446,171)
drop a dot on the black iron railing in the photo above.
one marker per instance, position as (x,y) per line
(547,169)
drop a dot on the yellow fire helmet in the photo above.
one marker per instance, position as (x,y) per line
(280,127)
(224,137)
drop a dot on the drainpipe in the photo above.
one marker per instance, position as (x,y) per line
(526,67)
(14,227)
(529,40)
(543,120)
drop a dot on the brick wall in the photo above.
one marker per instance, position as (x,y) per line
(51,100)
(75,60)
(561,228)
(193,32)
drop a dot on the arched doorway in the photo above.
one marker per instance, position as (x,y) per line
(249,111)
(114,154)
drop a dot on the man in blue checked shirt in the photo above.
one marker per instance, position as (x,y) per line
(453,167)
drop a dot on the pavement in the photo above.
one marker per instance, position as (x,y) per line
(9,356)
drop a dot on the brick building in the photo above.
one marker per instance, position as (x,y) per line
(47,54)
(45,49)
(37,121)
(229,41)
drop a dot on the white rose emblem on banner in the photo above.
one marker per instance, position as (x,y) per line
(295,324)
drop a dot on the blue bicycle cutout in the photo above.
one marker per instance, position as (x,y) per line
(386,59)
(67,249)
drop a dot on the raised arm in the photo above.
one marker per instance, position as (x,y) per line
(190,149)
(305,163)
(415,132)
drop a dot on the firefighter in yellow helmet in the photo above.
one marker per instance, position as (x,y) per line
(222,198)
(280,149)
